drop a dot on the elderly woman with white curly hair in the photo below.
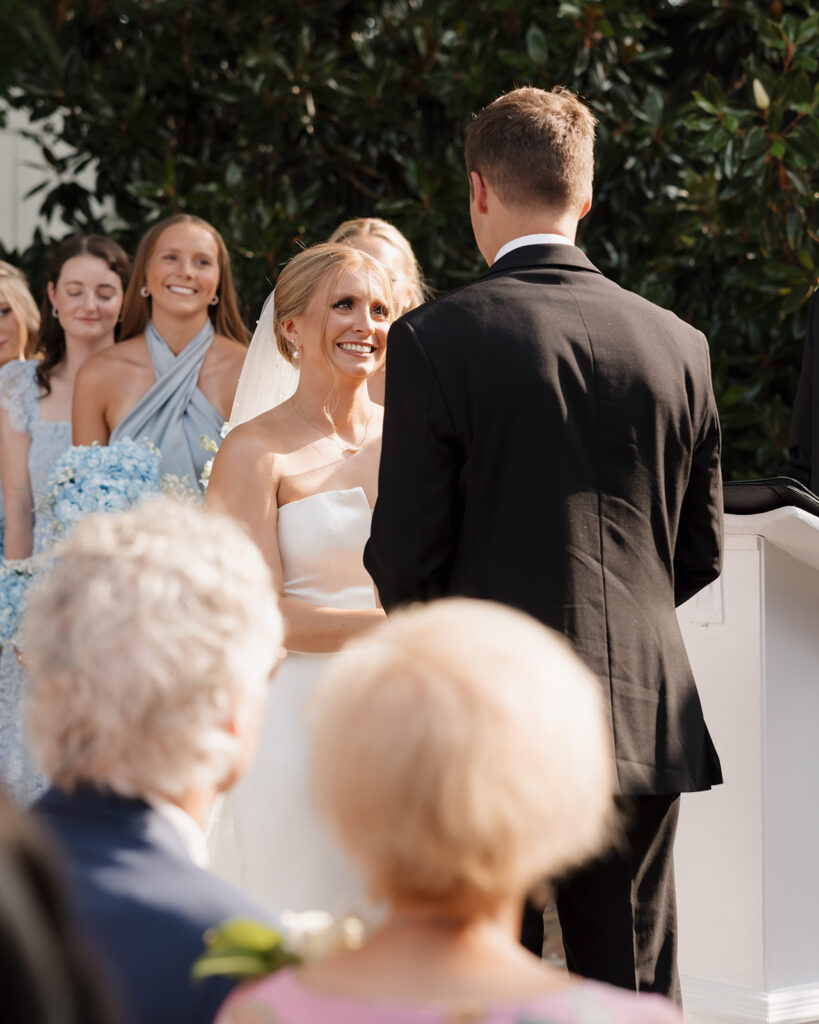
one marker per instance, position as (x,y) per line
(461,752)
(149,647)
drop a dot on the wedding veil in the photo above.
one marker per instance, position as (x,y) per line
(267,379)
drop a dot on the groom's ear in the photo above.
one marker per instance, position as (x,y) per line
(477,187)
(586,207)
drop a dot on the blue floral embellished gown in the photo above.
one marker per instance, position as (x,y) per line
(19,396)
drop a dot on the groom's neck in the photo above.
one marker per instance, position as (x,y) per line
(510,224)
(496,222)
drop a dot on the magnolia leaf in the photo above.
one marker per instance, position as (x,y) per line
(536,46)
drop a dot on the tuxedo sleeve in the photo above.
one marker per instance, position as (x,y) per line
(416,522)
(804,433)
(698,549)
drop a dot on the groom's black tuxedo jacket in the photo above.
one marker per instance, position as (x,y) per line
(551,442)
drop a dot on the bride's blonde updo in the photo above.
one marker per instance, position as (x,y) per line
(304,274)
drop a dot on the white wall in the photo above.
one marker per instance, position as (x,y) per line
(22,166)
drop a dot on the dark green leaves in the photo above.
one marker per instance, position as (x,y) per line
(276,120)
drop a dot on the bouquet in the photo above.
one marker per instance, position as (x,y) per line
(87,479)
(15,578)
(247,949)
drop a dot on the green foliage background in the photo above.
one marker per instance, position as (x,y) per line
(275,120)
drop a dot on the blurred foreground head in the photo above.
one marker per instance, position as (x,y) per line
(44,975)
(149,646)
(462,754)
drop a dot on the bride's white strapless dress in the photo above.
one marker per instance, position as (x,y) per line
(266,836)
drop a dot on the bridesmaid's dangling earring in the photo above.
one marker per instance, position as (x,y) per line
(215,300)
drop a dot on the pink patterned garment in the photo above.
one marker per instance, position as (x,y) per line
(282,999)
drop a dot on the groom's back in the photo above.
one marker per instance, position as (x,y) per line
(579,412)
(551,442)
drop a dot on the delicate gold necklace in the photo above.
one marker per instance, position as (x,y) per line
(343,446)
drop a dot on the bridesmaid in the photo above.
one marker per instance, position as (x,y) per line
(173,380)
(19,316)
(19,331)
(86,280)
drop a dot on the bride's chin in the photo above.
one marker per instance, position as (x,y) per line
(358,373)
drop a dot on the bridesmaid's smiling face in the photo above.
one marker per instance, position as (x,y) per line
(182,274)
(345,324)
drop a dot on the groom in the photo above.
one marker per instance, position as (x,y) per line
(551,441)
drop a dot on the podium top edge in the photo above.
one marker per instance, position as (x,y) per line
(790,529)
(758,522)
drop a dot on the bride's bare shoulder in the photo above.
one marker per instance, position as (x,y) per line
(276,430)
(258,443)
(246,441)
(246,464)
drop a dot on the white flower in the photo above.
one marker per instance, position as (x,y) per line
(204,478)
(761,97)
(179,487)
(313,934)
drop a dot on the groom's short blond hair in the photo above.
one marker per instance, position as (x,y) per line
(535,148)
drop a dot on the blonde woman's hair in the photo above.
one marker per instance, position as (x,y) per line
(373,227)
(225,315)
(154,629)
(301,278)
(15,290)
(462,751)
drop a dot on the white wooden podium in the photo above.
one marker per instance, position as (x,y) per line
(747,853)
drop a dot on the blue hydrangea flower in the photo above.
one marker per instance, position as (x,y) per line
(87,479)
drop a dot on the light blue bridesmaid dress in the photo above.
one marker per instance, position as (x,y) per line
(174,414)
(20,397)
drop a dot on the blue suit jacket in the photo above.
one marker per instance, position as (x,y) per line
(142,903)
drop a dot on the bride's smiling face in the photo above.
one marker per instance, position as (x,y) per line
(345,324)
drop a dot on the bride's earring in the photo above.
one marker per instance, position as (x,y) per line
(143,291)
(295,348)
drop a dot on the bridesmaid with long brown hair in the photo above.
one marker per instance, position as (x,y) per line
(173,379)
(87,276)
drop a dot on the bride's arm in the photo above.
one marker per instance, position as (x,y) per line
(319,630)
(243,484)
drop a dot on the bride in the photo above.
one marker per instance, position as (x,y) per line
(303,478)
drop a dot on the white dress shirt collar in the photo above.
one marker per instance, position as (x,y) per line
(188,830)
(542,239)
